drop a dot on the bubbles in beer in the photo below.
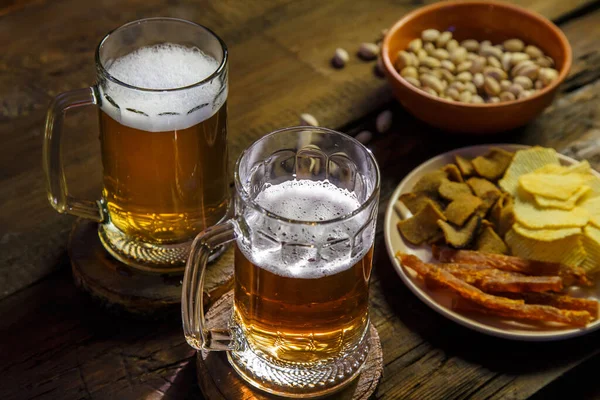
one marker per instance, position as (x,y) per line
(163,66)
(306,200)
(307,251)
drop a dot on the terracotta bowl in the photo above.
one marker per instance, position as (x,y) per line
(479,20)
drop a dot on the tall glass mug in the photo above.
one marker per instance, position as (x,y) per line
(161,92)
(304,224)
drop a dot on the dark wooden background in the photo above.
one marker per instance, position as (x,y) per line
(54,343)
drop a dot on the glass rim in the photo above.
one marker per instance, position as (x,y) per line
(363,205)
(104,72)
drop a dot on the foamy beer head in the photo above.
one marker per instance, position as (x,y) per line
(164,88)
(307,251)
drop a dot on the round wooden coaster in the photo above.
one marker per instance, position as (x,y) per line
(218,380)
(120,288)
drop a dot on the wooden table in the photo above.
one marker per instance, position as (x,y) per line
(55,344)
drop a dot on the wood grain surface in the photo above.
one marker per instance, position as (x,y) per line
(56,344)
(121,289)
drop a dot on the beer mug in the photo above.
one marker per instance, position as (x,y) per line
(161,92)
(304,225)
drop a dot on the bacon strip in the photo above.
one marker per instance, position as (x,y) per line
(570,275)
(462,304)
(493,280)
(561,301)
(510,308)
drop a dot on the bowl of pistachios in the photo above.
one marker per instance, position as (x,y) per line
(475,67)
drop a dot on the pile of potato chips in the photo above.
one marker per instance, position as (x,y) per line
(556,209)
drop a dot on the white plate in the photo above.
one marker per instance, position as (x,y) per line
(440,301)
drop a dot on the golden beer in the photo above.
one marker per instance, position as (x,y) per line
(164,187)
(161,90)
(302,320)
(298,301)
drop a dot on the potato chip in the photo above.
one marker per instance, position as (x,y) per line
(582,167)
(591,243)
(423,225)
(594,183)
(526,161)
(453,190)
(462,208)
(554,186)
(546,218)
(576,255)
(550,169)
(545,235)
(464,165)
(592,205)
(568,251)
(591,263)
(592,233)
(568,204)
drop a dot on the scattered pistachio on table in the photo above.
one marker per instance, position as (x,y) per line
(473,71)
(308,120)
(340,58)
(368,51)
(383,122)
(364,137)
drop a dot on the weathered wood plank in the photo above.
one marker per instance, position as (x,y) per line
(54,344)
(66,348)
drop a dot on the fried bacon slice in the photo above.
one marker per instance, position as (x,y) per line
(570,275)
(462,304)
(557,300)
(494,280)
(508,307)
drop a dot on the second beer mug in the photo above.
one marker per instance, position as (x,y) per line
(161,94)
(304,225)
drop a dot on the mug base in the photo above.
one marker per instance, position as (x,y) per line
(148,257)
(298,381)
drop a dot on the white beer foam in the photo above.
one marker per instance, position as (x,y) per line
(305,200)
(163,66)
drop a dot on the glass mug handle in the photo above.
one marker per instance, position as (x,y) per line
(192,294)
(56,184)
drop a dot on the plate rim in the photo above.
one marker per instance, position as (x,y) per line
(445,312)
